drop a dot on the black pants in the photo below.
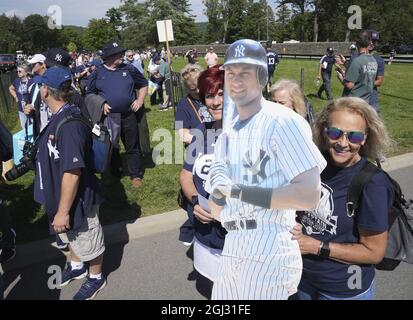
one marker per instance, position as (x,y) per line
(326,86)
(129,134)
(157,96)
(6,235)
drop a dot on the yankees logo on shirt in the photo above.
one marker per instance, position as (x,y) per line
(321,219)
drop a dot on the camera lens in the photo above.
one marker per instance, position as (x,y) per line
(17,171)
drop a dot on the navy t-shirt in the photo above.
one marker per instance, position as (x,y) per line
(22,91)
(329,222)
(212,234)
(116,86)
(327,63)
(272,61)
(185,116)
(54,158)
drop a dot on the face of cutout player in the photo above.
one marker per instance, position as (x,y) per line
(242,84)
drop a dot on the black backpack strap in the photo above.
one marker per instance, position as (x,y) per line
(72,117)
(358,182)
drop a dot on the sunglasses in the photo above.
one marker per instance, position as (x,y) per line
(355,137)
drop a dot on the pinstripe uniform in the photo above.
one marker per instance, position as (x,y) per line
(267,150)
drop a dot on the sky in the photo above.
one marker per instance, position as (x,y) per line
(76,12)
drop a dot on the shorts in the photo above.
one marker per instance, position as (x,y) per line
(87,242)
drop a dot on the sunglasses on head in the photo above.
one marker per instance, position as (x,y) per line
(355,137)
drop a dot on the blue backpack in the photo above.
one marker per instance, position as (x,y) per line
(101,146)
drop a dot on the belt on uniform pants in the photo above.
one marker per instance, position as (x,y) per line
(244,224)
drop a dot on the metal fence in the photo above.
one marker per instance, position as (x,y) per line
(177,90)
(7,103)
(397,59)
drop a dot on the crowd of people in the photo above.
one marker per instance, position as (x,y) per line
(265,193)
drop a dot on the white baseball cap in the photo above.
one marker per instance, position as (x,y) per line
(37,58)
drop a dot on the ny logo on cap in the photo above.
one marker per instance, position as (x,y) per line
(115,44)
(239,51)
(58,57)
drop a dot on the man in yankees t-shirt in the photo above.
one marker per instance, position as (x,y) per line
(266,167)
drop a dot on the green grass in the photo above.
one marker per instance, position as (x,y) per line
(159,192)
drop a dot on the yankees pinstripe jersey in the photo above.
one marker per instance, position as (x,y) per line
(267,150)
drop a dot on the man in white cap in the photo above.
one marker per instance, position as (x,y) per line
(38,65)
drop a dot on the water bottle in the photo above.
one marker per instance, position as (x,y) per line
(318,82)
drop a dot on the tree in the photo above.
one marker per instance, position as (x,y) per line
(11,30)
(259,21)
(71,47)
(236,12)
(140,21)
(36,35)
(98,33)
(69,34)
(282,25)
(215,28)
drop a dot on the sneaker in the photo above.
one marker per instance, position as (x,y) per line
(90,288)
(187,244)
(137,182)
(68,274)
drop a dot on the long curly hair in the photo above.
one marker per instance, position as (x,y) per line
(294,91)
(378,141)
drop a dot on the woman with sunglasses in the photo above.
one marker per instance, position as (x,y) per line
(19,90)
(340,250)
(209,234)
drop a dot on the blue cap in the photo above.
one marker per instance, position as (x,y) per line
(54,77)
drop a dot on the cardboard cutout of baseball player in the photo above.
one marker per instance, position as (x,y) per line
(266,167)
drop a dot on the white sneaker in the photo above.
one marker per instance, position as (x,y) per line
(187,244)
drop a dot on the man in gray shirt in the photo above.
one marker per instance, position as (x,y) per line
(359,79)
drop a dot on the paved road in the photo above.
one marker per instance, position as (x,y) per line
(159,267)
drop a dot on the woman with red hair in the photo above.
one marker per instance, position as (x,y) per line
(208,233)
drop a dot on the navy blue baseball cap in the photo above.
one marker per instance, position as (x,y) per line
(54,77)
(111,49)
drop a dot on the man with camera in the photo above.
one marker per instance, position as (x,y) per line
(67,187)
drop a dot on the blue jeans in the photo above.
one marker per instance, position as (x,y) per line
(307,292)
(326,86)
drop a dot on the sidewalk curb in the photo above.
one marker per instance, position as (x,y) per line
(122,232)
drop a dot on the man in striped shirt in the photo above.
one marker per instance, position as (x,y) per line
(266,167)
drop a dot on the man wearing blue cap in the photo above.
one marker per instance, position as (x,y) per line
(67,188)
